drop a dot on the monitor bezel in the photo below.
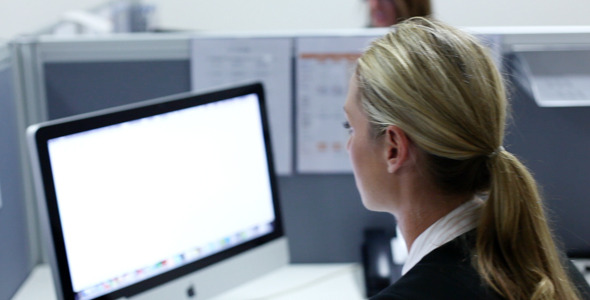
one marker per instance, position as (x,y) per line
(40,134)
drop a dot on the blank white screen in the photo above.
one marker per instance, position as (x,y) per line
(133,194)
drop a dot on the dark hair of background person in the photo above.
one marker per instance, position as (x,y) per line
(385,13)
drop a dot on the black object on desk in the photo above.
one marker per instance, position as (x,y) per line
(378,267)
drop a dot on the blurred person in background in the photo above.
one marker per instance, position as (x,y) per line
(384,13)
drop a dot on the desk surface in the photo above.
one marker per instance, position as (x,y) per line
(298,281)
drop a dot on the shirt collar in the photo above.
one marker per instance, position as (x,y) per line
(459,221)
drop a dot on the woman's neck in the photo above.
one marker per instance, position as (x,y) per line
(420,212)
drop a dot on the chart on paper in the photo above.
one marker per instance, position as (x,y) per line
(324,67)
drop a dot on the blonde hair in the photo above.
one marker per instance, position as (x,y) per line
(441,87)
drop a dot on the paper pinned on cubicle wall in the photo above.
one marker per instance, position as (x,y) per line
(324,67)
(557,78)
(569,90)
(0,195)
(222,61)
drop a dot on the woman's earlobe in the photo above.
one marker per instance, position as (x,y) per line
(391,167)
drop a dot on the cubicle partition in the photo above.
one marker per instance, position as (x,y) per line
(15,251)
(554,142)
(83,76)
(323,215)
(550,128)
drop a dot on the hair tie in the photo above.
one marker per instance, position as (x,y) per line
(496,152)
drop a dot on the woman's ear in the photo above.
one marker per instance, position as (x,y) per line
(397,145)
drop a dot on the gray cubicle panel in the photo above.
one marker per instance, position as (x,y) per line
(80,76)
(323,215)
(14,236)
(554,142)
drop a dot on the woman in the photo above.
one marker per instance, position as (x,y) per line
(426,111)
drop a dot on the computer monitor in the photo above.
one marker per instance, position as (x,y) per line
(172,198)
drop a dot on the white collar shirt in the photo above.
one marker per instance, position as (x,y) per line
(459,221)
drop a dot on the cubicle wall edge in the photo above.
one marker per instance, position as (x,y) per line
(177,45)
(519,41)
(115,48)
(16,232)
(29,79)
(30,108)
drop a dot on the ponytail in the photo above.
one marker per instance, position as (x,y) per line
(515,252)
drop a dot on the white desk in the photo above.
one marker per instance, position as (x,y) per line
(295,282)
(298,281)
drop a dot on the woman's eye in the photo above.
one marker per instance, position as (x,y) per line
(347,126)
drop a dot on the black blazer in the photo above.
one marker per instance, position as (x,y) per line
(446,273)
